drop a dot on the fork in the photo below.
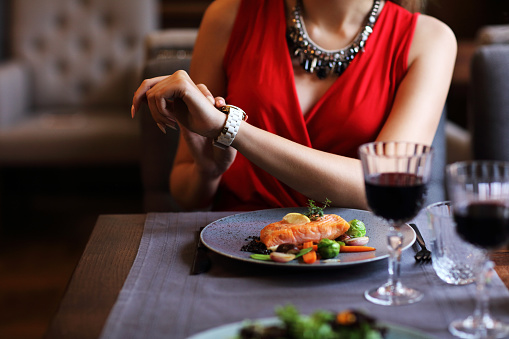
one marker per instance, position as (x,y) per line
(424,255)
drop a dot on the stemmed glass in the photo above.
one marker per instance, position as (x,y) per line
(395,176)
(479,191)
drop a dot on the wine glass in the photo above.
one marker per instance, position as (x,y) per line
(479,191)
(395,176)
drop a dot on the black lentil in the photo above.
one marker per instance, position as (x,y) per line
(254,245)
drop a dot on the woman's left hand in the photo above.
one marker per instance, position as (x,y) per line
(177,97)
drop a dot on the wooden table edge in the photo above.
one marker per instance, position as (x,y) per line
(98,277)
(501,259)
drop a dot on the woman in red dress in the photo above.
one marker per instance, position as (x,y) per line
(317,78)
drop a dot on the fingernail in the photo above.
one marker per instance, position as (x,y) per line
(162,128)
(132,111)
(222,102)
(172,126)
(168,116)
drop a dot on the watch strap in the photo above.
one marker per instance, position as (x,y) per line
(231,126)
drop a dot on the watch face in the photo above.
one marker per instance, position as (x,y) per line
(225,109)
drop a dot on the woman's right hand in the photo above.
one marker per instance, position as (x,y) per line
(178,98)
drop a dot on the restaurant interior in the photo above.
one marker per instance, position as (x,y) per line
(69,150)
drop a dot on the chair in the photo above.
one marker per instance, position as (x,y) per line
(436,187)
(489,106)
(65,92)
(3,29)
(169,51)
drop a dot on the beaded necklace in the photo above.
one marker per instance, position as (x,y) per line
(320,61)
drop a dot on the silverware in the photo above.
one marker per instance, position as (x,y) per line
(201,260)
(424,255)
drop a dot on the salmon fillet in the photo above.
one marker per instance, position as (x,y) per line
(329,226)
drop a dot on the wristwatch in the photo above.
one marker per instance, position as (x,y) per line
(231,126)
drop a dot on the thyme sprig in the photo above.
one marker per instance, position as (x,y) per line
(315,212)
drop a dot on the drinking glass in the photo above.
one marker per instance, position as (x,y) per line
(395,176)
(454,259)
(479,191)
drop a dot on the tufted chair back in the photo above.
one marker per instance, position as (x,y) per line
(3,29)
(81,52)
(67,84)
(489,102)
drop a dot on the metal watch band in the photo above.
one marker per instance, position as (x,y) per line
(231,127)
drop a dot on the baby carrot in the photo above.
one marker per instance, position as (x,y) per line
(309,257)
(345,249)
(307,244)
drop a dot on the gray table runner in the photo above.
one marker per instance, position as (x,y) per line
(160,299)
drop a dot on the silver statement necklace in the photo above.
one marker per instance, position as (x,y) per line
(318,60)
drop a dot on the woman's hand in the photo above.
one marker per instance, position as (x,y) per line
(140,94)
(165,98)
(178,98)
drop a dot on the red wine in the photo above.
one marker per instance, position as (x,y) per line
(396,197)
(484,224)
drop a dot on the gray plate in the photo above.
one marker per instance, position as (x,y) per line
(231,330)
(227,235)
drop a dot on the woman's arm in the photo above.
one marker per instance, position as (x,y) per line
(414,117)
(421,95)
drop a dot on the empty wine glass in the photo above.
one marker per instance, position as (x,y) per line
(479,191)
(395,176)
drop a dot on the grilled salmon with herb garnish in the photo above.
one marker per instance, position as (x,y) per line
(297,230)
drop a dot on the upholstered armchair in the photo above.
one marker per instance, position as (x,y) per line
(489,99)
(3,29)
(66,89)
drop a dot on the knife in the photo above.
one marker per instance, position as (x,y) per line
(201,260)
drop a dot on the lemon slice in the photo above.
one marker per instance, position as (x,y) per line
(296,218)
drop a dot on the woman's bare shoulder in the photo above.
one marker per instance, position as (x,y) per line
(432,36)
(220,16)
(211,44)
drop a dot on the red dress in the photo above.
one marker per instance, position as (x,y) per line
(260,80)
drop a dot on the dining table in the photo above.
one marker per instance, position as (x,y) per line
(133,280)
